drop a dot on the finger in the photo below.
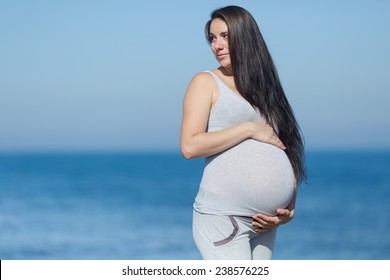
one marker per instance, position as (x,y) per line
(261,224)
(261,230)
(271,222)
(262,218)
(276,141)
(261,227)
(283,212)
(279,144)
(258,216)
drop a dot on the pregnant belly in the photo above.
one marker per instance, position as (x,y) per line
(250,177)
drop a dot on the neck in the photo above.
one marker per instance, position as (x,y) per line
(226,71)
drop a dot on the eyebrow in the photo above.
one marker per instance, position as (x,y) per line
(222,33)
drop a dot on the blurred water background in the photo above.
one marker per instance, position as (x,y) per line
(139,206)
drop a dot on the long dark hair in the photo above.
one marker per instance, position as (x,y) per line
(257,80)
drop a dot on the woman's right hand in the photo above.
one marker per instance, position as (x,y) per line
(265,133)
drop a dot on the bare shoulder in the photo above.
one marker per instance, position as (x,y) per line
(202,83)
(203,79)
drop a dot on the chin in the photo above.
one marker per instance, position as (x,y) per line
(225,64)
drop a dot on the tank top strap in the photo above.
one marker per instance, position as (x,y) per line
(220,84)
(216,78)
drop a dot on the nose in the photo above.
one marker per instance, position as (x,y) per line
(218,44)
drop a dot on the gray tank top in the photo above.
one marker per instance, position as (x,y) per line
(248,178)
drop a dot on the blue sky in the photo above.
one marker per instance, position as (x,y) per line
(111,75)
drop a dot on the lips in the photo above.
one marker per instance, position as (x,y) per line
(222,55)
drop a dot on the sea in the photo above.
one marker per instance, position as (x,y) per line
(138,206)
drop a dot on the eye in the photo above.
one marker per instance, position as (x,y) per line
(212,38)
(225,35)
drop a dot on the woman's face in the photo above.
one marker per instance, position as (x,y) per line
(219,42)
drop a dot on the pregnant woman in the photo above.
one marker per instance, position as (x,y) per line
(238,117)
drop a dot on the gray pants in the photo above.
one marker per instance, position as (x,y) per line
(231,237)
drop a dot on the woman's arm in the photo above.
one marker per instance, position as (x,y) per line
(195,141)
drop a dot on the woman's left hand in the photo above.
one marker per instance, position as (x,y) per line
(265,223)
